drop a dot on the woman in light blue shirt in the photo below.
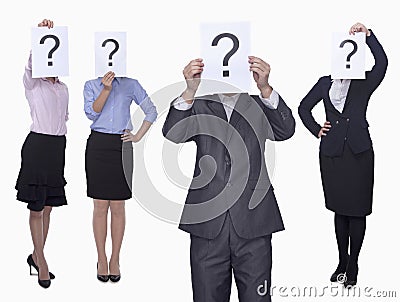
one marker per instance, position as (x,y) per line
(109,158)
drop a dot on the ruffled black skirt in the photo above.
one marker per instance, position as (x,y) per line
(41,179)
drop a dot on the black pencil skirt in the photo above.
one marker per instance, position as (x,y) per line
(41,179)
(348,182)
(108,166)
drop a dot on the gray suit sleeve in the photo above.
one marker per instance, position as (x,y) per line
(281,120)
(179,125)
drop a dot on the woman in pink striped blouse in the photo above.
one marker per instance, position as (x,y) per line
(41,180)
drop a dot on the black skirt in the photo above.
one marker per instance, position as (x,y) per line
(108,166)
(348,182)
(41,179)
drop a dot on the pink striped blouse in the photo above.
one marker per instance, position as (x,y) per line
(48,103)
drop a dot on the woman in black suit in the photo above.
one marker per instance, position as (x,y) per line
(346,153)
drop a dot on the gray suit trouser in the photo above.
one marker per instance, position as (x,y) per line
(213,262)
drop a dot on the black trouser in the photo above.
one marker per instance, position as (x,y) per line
(212,263)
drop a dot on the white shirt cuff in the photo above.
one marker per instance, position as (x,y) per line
(181,104)
(272,102)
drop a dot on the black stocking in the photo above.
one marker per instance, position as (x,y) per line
(357,232)
(342,230)
(353,228)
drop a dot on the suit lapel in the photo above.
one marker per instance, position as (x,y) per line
(327,87)
(214,103)
(216,106)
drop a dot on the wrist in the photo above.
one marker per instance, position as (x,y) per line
(190,91)
(266,91)
(188,95)
(136,137)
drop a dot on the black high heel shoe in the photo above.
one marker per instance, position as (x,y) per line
(339,274)
(351,276)
(115,278)
(31,263)
(102,278)
(44,283)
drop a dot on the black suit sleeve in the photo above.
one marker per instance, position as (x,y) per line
(376,75)
(281,121)
(313,97)
(178,125)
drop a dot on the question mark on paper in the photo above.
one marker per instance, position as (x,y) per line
(56,45)
(114,51)
(234,49)
(355,47)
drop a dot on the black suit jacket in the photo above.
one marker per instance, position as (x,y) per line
(351,125)
(230,174)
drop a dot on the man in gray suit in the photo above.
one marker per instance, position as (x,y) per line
(230,209)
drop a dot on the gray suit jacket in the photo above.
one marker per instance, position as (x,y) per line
(230,174)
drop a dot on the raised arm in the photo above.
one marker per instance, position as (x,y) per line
(179,125)
(100,101)
(28,81)
(376,75)
(281,121)
(93,104)
(279,115)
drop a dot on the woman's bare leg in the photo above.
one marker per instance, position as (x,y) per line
(46,226)
(117,233)
(100,212)
(36,226)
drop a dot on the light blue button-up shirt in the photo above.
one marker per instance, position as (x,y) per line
(115,116)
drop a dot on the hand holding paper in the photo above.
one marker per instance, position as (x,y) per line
(358,27)
(261,71)
(192,73)
(46,22)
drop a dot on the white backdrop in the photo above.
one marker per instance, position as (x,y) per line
(294,37)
